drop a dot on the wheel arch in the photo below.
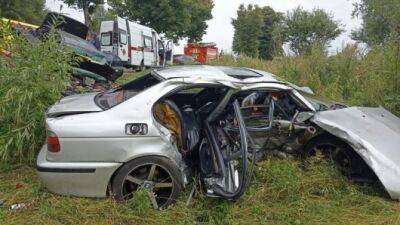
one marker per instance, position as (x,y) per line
(370,171)
(183,173)
(325,134)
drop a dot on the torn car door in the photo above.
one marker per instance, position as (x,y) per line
(226,153)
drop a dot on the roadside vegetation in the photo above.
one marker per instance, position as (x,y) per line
(30,11)
(351,76)
(365,74)
(281,192)
(31,79)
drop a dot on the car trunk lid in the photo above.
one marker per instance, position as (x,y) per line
(74,104)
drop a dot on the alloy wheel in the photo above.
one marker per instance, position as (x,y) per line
(152,177)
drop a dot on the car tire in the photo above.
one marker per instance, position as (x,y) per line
(348,161)
(165,184)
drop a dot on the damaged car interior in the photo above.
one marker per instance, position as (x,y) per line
(222,133)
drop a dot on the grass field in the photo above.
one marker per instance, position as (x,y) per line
(282,192)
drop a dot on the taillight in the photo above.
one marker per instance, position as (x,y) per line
(53,144)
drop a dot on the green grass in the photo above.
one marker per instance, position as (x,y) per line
(130,75)
(282,192)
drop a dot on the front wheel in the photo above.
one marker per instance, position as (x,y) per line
(333,149)
(156,174)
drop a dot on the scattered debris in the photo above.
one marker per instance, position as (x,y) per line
(18,206)
(190,198)
(282,155)
(20,185)
(93,67)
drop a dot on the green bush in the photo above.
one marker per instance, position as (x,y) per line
(30,80)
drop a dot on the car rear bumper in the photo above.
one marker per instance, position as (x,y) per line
(86,179)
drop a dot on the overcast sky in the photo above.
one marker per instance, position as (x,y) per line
(221,31)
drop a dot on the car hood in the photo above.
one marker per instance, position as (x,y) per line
(374,133)
(74,104)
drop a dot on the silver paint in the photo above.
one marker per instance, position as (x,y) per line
(75,104)
(374,133)
(77,184)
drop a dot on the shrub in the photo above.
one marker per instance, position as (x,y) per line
(30,80)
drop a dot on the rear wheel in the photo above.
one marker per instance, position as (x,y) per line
(158,175)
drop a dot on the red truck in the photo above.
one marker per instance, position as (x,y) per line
(202,52)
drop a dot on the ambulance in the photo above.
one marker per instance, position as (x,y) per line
(137,45)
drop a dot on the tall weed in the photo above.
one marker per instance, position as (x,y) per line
(351,76)
(30,80)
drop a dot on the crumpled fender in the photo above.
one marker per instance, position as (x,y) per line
(374,133)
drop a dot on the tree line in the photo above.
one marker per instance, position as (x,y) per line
(299,28)
(261,32)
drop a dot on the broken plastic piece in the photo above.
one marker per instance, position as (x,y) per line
(18,206)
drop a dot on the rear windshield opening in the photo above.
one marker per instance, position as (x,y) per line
(113,97)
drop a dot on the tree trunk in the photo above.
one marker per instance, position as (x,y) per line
(190,40)
(88,19)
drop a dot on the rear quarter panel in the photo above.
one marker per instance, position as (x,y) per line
(101,137)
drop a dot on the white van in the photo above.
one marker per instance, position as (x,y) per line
(137,45)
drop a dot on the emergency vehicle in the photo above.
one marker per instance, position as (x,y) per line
(202,52)
(137,45)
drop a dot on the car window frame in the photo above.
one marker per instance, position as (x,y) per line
(121,88)
(293,93)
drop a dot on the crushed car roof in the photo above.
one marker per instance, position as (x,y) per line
(225,73)
(215,72)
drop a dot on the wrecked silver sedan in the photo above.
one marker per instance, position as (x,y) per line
(159,131)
